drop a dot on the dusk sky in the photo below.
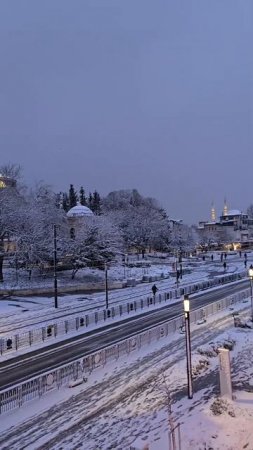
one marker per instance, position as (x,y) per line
(111,94)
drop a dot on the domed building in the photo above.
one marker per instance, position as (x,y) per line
(79,211)
(77,217)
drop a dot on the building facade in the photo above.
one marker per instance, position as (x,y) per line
(233,229)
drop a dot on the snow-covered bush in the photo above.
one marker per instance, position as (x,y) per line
(220,406)
(200,367)
(212,349)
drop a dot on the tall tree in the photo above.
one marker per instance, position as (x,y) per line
(90,201)
(142,221)
(97,242)
(96,203)
(11,220)
(65,202)
(72,196)
(34,241)
(82,198)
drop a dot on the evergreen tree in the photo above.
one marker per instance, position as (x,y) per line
(90,201)
(82,197)
(58,200)
(65,201)
(96,203)
(72,196)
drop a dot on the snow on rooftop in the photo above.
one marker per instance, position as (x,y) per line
(79,211)
(234,212)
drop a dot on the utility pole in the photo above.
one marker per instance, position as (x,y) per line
(106,287)
(55,269)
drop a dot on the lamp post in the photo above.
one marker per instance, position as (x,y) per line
(55,269)
(125,262)
(188,345)
(251,289)
(106,287)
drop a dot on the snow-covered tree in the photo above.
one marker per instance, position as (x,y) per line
(142,222)
(34,239)
(182,238)
(11,220)
(96,242)
(96,203)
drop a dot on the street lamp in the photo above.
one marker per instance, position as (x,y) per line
(55,270)
(251,289)
(188,345)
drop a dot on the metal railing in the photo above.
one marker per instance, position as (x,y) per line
(36,387)
(56,328)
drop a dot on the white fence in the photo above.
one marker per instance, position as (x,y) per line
(36,387)
(54,328)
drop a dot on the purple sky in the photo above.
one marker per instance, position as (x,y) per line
(154,95)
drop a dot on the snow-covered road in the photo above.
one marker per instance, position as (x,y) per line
(119,403)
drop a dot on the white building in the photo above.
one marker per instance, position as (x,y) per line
(234,227)
(77,217)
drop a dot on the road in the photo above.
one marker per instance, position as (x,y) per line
(37,362)
(129,401)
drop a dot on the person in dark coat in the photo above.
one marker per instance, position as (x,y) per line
(154,289)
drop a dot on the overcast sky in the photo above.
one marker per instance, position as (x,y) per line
(155,95)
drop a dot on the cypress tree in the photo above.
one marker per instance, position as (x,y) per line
(72,196)
(96,203)
(82,197)
(90,201)
(65,201)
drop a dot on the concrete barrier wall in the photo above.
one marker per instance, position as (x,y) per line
(87,287)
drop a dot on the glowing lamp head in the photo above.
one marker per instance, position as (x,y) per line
(251,272)
(186,304)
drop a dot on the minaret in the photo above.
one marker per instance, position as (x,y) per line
(213,213)
(225,208)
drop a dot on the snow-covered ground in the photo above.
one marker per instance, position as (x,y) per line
(125,401)
(199,271)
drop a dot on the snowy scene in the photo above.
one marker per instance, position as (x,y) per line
(134,392)
(126,225)
(97,351)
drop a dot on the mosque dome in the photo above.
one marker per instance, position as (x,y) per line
(79,211)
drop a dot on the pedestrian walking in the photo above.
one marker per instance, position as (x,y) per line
(154,289)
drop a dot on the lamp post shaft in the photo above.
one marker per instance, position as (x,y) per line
(251,298)
(188,354)
(55,269)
